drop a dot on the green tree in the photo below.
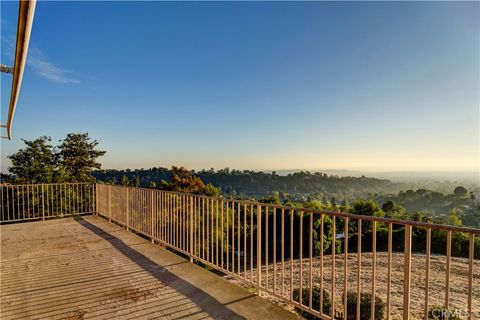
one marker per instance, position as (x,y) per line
(135,181)
(388,206)
(453,218)
(366,208)
(78,156)
(333,203)
(460,191)
(184,180)
(36,163)
(472,197)
(152,185)
(393,210)
(211,190)
(124,181)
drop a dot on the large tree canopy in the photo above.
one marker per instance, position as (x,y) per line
(41,162)
(78,157)
(36,163)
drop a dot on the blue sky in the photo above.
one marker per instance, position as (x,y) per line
(255,85)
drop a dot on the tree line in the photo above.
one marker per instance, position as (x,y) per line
(72,160)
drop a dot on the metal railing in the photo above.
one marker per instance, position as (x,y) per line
(304,256)
(45,201)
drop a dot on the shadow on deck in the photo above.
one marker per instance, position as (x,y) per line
(89,268)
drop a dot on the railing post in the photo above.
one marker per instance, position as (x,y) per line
(151,222)
(471,255)
(447,271)
(406,272)
(259,248)
(191,228)
(96,198)
(127,205)
(109,203)
(43,205)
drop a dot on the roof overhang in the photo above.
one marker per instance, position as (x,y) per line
(26,11)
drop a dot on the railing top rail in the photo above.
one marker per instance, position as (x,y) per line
(44,184)
(326,212)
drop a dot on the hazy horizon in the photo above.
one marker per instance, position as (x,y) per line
(361,86)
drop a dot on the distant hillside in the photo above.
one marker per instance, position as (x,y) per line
(251,183)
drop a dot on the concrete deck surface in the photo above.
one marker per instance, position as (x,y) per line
(88,268)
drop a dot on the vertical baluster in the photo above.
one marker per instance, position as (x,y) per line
(227,225)
(406,271)
(23,203)
(199,224)
(127,207)
(251,243)
(8,202)
(191,229)
(470,274)
(238,239)
(274,249)
(28,201)
(216,232)
(162,217)
(175,217)
(222,233)
(389,274)
(427,270)
(291,254)
(233,237)
(203,228)
(110,203)
(212,229)
(345,270)
(259,247)
(172,219)
(321,261)
(282,241)
(194,222)
(152,220)
(207,228)
(169,219)
(374,267)
(57,211)
(17,192)
(447,271)
(245,241)
(185,223)
(2,213)
(301,258)
(359,274)
(266,247)
(80,193)
(43,204)
(310,255)
(334,240)
(62,200)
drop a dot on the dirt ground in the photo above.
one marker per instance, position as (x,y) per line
(437,285)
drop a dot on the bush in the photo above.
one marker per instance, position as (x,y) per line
(365,306)
(327,304)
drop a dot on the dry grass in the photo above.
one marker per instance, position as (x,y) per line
(437,283)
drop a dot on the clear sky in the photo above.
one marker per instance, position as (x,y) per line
(255,85)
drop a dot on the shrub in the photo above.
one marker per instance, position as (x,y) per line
(365,306)
(327,304)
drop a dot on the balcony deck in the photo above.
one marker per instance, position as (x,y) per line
(87,268)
